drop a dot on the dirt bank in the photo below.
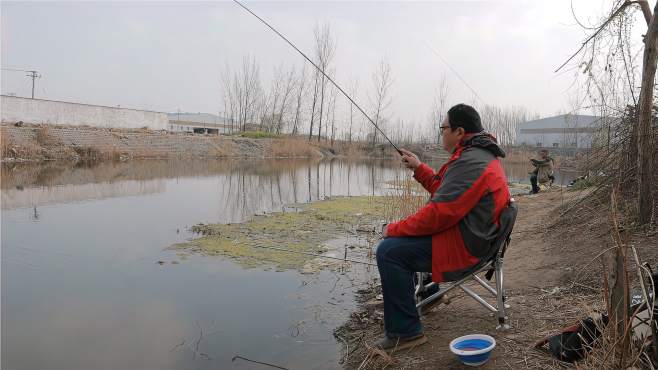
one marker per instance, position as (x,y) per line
(41,142)
(542,275)
(51,142)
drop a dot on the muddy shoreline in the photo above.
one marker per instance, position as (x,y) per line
(542,295)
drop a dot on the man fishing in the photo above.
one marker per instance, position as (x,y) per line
(458,223)
(543,171)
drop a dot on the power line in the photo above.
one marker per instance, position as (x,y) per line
(32,74)
(14,70)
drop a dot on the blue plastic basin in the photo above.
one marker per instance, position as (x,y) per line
(474,349)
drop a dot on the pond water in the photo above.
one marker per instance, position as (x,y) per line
(82,286)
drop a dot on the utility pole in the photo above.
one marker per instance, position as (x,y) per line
(34,75)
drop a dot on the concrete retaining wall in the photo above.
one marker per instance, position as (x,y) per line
(14,109)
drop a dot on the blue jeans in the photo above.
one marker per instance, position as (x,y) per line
(397,260)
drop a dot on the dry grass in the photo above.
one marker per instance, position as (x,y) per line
(616,349)
(353,149)
(44,137)
(147,152)
(6,146)
(88,153)
(17,150)
(224,148)
(515,155)
(405,198)
(292,147)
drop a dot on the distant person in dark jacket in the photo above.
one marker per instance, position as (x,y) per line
(543,171)
(450,234)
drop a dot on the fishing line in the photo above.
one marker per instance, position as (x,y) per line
(453,71)
(321,71)
(314,255)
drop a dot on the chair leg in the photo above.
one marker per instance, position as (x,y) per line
(420,287)
(500,295)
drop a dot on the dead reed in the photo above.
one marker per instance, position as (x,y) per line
(404,198)
(292,147)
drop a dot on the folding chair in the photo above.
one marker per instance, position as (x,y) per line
(491,265)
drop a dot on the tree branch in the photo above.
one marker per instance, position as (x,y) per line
(616,13)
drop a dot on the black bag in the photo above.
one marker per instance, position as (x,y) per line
(573,343)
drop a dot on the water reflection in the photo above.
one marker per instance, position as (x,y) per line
(238,188)
(245,186)
(20,197)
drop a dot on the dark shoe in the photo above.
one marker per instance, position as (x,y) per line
(396,343)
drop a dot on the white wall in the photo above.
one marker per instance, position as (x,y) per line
(180,126)
(573,140)
(14,109)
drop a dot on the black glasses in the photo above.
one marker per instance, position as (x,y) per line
(441,128)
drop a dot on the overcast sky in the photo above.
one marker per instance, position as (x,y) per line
(166,56)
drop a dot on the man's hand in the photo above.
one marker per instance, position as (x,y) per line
(409,159)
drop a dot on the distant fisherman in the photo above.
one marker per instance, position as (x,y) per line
(543,171)
(445,236)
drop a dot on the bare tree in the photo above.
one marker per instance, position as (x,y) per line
(228,95)
(644,134)
(325,47)
(439,108)
(264,109)
(353,92)
(275,95)
(248,90)
(287,87)
(332,108)
(301,90)
(502,122)
(241,91)
(316,88)
(607,63)
(382,81)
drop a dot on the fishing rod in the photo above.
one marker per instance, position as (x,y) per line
(323,73)
(345,259)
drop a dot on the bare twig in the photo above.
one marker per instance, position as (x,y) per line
(236,357)
(601,28)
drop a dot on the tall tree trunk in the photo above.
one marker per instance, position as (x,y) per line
(315,99)
(619,286)
(351,119)
(644,138)
(322,89)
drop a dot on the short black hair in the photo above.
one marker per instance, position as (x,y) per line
(465,116)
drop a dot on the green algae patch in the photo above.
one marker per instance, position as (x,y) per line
(307,230)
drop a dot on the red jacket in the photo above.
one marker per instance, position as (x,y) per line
(462,216)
